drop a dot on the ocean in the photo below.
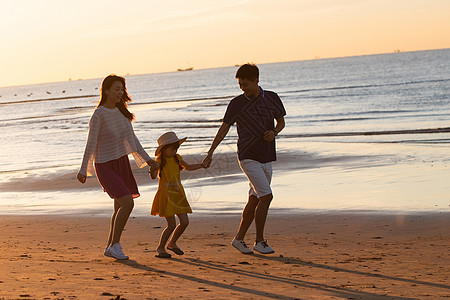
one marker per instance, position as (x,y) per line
(334,106)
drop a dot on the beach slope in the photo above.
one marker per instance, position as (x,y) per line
(318,256)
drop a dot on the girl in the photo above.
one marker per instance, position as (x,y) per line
(111,138)
(170,199)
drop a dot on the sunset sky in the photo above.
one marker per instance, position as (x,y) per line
(54,40)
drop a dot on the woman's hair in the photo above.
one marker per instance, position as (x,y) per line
(122,105)
(248,71)
(163,159)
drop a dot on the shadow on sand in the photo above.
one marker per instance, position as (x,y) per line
(338,291)
(337,269)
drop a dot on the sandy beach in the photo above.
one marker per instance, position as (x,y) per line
(318,256)
(361,192)
(387,237)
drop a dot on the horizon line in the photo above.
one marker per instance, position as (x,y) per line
(396,51)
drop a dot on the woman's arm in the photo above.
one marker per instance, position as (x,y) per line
(89,151)
(141,156)
(153,164)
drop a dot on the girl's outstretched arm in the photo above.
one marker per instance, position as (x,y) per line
(190,167)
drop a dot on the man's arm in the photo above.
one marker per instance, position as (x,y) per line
(221,134)
(269,135)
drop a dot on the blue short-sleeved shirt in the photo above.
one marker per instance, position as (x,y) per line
(253,117)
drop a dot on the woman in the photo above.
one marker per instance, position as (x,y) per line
(111,138)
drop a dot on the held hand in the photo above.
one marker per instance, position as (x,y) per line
(154,167)
(81,178)
(269,135)
(206,162)
(153,173)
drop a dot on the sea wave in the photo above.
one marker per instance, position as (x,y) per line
(365,133)
(195,99)
(427,141)
(46,99)
(370,117)
(40,119)
(364,86)
(198,121)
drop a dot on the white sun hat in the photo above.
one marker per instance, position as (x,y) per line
(167,139)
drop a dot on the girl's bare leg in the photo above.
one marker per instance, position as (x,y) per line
(165,235)
(184,222)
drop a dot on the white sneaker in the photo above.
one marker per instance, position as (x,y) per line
(241,246)
(116,251)
(107,252)
(263,248)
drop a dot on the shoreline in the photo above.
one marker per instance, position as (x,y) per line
(102,213)
(308,176)
(318,256)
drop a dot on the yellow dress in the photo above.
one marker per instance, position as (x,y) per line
(170,199)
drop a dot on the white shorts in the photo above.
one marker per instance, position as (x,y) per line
(259,176)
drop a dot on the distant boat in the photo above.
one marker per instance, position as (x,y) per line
(187,69)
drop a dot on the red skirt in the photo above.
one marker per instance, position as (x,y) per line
(116,178)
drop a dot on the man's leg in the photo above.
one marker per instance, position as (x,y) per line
(248,214)
(259,176)
(261,216)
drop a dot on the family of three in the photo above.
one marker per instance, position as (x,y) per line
(259,117)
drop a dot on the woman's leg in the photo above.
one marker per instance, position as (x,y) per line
(113,222)
(165,235)
(184,222)
(126,205)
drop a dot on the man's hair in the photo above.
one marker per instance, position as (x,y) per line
(248,71)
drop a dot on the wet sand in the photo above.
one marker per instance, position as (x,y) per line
(307,176)
(318,256)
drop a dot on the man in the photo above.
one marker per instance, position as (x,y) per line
(253,112)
